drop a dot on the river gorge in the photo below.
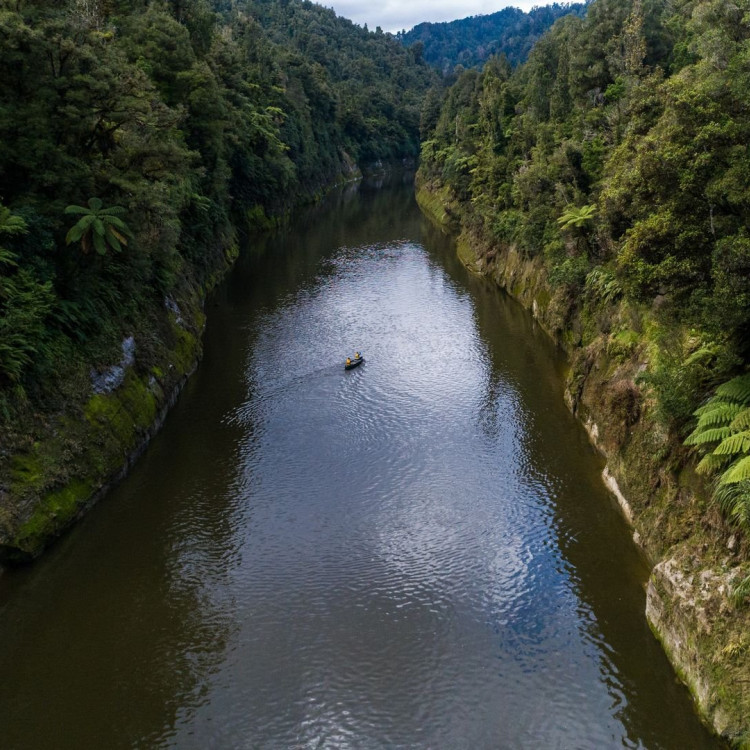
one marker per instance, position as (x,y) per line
(418,553)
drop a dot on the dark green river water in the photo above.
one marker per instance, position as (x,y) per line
(418,553)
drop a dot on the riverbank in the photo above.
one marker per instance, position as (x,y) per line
(55,465)
(695,555)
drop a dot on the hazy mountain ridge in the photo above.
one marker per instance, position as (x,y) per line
(470,41)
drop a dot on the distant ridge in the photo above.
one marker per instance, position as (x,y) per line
(470,41)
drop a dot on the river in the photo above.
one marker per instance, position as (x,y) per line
(417,553)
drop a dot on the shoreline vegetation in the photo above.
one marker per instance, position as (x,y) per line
(604,184)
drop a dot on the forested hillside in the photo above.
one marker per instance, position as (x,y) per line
(137,135)
(472,41)
(619,153)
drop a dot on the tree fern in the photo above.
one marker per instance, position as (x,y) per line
(576,217)
(98,227)
(739,471)
(711,435)
(737,389)
(722,433)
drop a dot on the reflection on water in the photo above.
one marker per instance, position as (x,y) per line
(415,553)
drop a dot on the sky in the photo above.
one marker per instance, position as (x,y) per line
(394,15)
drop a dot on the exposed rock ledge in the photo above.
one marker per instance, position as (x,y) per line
(683,604)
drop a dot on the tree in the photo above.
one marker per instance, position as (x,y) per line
(577,218)
(98,227)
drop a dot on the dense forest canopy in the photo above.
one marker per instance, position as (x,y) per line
(472,41)
(137,135)
(637,111)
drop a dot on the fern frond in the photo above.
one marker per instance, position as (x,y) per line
(701,355)
(711,463)
(712,435)
(113,221)
(737,389)
(737,443)
(75,233)
(120,237)
(741,591)
(742,420)
(7,258)
(77,210)
(737,472)
(112,240)
(99,244)
(734,501)
(113,211)
(722,414)
(11,224)
(710,405)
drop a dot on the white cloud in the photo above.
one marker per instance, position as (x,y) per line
(394,15)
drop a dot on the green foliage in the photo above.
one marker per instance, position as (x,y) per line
(570,272)
(735,391)
(739,470)
(576,218)
(472,41)
(603,285)
(722,433)
(626,130)
(24,305)
(98,227)
(189,118)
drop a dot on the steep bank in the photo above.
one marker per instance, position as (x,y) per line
(611,345)
(57,465)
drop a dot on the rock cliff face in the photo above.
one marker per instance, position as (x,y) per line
(694,554)
(70,459)
(684,602)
